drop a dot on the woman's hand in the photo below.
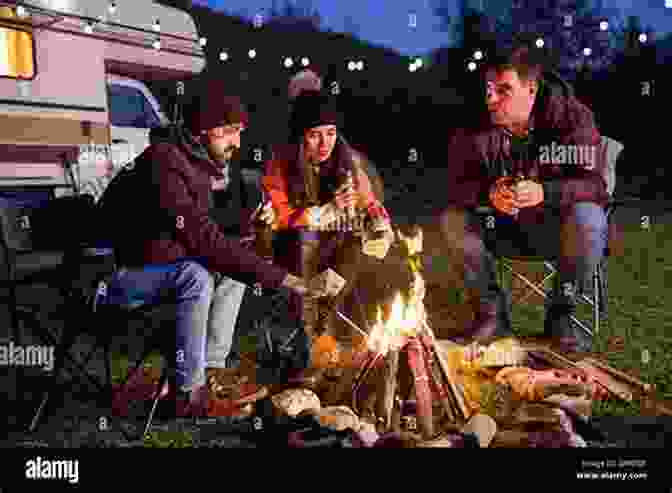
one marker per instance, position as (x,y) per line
(345,197)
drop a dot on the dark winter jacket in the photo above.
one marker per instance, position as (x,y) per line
(172,214)
(478,156)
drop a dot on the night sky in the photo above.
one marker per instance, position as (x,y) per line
(385,22)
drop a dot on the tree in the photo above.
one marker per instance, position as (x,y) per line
(567,27)
(295,17)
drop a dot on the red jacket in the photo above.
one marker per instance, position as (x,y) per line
(288,217)
(477,157)
(174,218)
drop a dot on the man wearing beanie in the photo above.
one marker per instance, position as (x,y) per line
(173,252)
(324,205)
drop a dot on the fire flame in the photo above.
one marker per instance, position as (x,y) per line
(405,318)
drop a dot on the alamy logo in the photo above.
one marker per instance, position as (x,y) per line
(15,355)
(40,468)
(573,155)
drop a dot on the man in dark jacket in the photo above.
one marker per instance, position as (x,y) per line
(538,132)
(173,247)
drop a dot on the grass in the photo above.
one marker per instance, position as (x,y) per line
(639,281)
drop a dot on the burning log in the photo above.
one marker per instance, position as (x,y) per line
(404,331)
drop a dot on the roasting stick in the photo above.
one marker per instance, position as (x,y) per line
(457,394)
(351,324)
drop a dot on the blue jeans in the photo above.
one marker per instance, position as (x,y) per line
(206,304)
(576,236)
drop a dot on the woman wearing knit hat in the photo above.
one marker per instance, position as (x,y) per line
(170,250)
(324,205)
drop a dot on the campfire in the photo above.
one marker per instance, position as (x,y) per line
(401,328)
(525,387)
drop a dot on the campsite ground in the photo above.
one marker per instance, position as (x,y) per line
(639,312)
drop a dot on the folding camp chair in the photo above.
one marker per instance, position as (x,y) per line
(596,296)
(93,316)
(43,245)
(35,240)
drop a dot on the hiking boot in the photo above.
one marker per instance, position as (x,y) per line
(227,384)
(559,326)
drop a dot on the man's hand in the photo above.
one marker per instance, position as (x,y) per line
(502,196)
(264,213)
(528,194)
(300,287)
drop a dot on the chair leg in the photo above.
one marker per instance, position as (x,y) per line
(59,364)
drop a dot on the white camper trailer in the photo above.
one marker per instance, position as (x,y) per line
(70,84)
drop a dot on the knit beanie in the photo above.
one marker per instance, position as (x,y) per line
(212,108)
(311,109)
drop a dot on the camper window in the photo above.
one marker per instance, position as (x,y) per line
(17,56)
(130,108)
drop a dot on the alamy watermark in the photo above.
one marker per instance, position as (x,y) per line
(64,470)
(584,156)
(27,356)
(94,154)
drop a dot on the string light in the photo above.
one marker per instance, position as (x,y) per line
(351,66)
(471,66)
(477,55)
(604,25)
(252,53)
(305,62)
(157,25)
(21,12)
(88,28)
(587,51)
(157,44)
(288,62)
(202,41)
(643,38)
(223,56)
(112,8)
(540,43)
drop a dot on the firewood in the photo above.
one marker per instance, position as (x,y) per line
(416,361)
(510,439)
(614,386)
(457,392)
(645,387)
(534,413)
(581,405)
(390,386)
